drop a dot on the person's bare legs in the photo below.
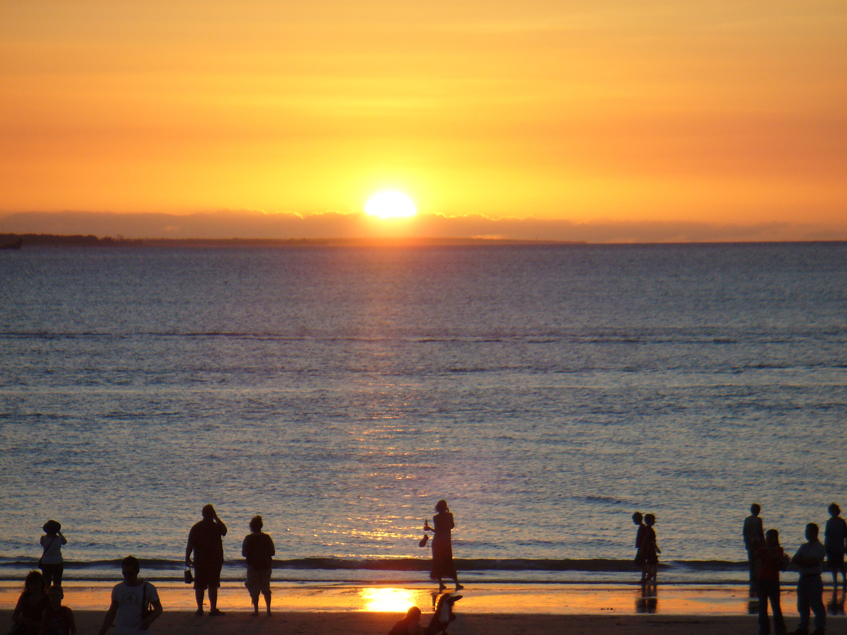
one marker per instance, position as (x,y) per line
(213,601)
(267,603)
(198,595)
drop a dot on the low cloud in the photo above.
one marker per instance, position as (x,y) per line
(257,225)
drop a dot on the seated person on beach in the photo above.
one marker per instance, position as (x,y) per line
(131,600)
(58,619)
(258,550)
(31,605)
(409,625)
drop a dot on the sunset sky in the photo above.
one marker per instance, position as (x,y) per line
(574,113)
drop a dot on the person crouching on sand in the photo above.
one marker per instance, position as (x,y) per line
(58,619)
(409,625)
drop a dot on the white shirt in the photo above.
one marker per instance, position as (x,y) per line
(53,553)
(811,550)
(129,599)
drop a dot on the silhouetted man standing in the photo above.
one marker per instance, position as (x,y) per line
(809,561)
(204,540)
(754,538)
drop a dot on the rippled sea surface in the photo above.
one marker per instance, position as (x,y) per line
(546,392)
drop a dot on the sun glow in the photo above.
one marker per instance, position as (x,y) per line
(388,600)
(390,204)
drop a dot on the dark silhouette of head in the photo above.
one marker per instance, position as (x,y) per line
(52,527)
(34,583)
(812,531)
(834,510)
(772,538)
(208,512)
(650,520)
(755,509)
(637,518)
(130,563)
(256,523)
(414,614)
(441,506)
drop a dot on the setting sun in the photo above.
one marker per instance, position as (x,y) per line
(390,204)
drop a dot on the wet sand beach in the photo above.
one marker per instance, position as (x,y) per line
(365,623)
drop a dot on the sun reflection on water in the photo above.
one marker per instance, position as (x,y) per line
(382,600)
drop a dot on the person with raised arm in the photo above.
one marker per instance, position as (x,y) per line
(205,541)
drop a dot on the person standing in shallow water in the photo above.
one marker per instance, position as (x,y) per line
(258,550)
(754,538)
(204,540)
(442,546)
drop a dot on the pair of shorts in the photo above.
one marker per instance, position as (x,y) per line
(835,559)
(207,575)
(258,581)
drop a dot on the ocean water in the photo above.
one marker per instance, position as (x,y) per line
(547,392)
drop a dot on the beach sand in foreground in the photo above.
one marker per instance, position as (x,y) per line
(362,623)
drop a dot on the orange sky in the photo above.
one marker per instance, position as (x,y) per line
(605,111)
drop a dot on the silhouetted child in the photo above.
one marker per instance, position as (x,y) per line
(651,549)
(771,560)
(638,521)
(58,619)
(51,562)
(835,541)
(409,625)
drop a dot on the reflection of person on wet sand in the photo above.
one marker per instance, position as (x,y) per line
(442,546)
(409,625)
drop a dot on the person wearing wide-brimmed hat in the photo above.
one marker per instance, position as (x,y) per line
(51,562)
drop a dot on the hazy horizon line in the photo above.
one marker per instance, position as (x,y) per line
(335,226)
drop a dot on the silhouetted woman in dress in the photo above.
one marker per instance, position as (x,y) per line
(442,546)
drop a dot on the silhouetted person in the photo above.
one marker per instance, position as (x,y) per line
(409,625)
(58,619)
(835,541)
(31,604)
(51,562)
(258,550)
(204,540)
(651,550)
(638,520)
(809,562)
(772,559)
(442,546)
(754,538)
(443,615)
(131,599)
